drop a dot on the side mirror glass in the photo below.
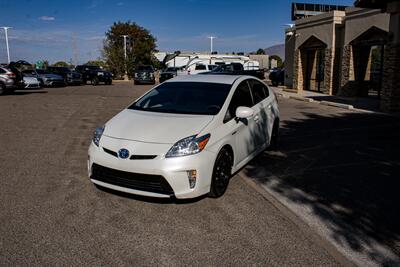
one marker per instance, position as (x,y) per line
(244,112)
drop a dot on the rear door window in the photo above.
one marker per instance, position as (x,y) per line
(259,90)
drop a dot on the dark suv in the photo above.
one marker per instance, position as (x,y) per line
(70,77)
(94,74)
(144,74)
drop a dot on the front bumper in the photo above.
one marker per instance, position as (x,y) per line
(54,83)
(74,80)
(32,86)
(173,170)
(145,80)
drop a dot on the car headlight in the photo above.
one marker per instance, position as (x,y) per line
(97,135)
(151,74)
(136,75)
(188,146)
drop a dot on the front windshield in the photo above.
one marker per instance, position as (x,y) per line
(184,98)
(63,69)
(39,71)
(29,73)
(93,67)
(145,68)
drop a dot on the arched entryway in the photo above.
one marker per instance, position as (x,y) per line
(366,64)
(312,54)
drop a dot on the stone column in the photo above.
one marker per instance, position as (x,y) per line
(347,82)
(298,72)
(390,95)
(328,71)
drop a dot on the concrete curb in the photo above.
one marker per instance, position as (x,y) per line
(301,224)
(338,105)
(300,98)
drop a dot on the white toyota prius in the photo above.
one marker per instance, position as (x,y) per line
(185,137)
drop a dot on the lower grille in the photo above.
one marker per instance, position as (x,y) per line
(137,181)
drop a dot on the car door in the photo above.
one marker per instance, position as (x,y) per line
(263,104)
(244,130)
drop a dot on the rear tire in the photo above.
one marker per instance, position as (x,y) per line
(3,89)
(222,173)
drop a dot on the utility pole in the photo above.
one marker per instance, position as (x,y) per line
(8,49)
(211,39)
(126,66)
(74,50)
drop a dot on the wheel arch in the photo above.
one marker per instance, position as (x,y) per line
(230,149)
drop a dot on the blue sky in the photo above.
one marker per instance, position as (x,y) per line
(44,29)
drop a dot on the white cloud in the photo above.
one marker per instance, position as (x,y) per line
(95,4)
(47,18)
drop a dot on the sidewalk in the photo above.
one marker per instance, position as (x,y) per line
(359,103)
(337,170)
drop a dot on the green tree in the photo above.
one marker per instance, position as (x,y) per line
(61,64)
(140,47)
(260,51)
(278,59)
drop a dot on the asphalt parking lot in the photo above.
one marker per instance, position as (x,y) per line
(50,213)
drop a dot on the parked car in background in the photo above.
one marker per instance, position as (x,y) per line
(198,68)
(236,69)
(50,79)
(168,73)
(32,73)
(144,74)
(186,137)
(277,76)
(30,82)
(70,77)
(7,81)
(94,74)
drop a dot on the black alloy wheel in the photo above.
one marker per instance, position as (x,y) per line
(95,81)
(221,173)
(2,89)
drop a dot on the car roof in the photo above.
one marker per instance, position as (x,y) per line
(211,78)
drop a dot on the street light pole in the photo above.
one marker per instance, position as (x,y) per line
(8,49)
(126,66)
(211,39)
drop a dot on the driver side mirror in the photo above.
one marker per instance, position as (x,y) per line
(244,112)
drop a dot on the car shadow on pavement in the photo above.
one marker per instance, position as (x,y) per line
(28,92)
(171,200)
(346,170)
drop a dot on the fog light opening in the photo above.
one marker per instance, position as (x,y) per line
(192,175)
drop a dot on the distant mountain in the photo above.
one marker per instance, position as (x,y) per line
(276,50)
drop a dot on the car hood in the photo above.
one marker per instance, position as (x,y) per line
(154,127)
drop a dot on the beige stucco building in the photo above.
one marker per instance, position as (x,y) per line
(345,53)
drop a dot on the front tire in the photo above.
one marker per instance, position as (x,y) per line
(95,81)
(221,173)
